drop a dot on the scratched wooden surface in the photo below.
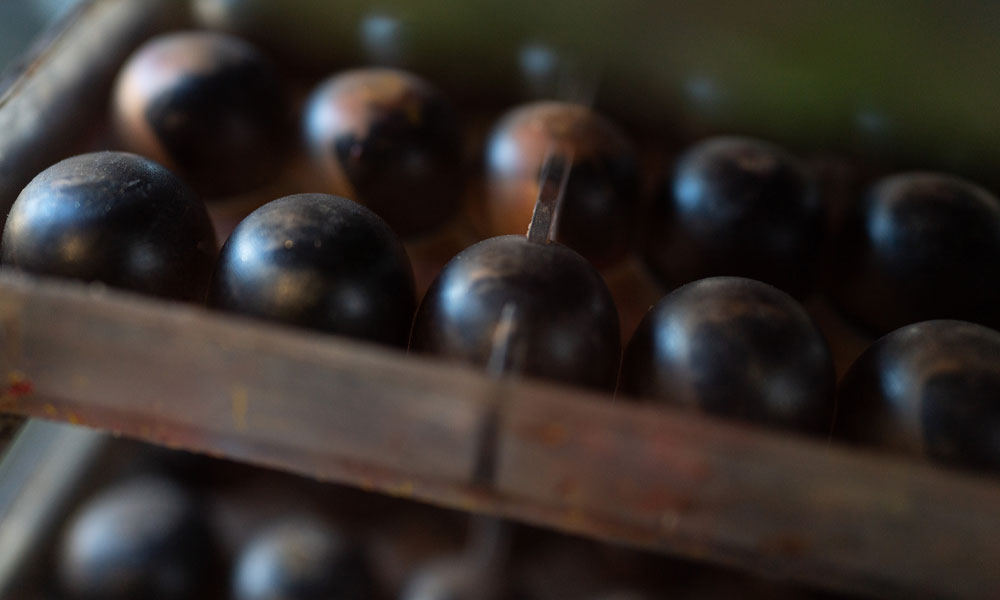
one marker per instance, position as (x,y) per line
(341,411)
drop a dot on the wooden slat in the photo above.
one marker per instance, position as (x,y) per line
(567,459)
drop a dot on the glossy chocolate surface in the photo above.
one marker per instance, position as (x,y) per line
(737,348)
(736,207)
(301,559)
(566,323)
(321,262)
(930,388)
(920,246)
(145,538)
(117,218)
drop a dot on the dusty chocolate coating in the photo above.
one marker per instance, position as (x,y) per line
(301,558)
(738,207)
(734,347)
(565,321)
(390,140)
(598,211)
(209,105)
(322,262)
(930,388)
(146,538)
(116,218)
(920,246)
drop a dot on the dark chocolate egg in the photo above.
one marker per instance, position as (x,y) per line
(207,104)
(117,218)
(390,140)
(564,321)
(321,262)
(301,559)
(734,347)
(446,580)
(920,246)
(145,538)
(930,388)
(598,213)
(460,578)
(738,207)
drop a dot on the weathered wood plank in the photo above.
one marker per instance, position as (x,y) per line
(338,410)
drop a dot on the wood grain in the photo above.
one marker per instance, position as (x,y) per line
(337,410)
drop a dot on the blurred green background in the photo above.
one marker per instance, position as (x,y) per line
(902,83)
(912,82)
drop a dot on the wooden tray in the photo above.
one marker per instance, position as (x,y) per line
(343,411)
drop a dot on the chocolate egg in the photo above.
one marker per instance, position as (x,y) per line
(207,104)
(564,320)
(736,207)
(734,347)
(390,140)
(597,216)
(930,388)
(116,218)
(301,559)
(321,262)
(920,246)
(145,538)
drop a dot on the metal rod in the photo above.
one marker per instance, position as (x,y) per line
(551,190)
